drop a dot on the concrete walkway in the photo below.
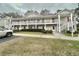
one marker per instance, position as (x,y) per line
(47,36)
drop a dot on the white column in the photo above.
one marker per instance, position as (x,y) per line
(71,15)
(45,24)
(59,23)
(45,27)
(35,24)
(20,25)
(27,24)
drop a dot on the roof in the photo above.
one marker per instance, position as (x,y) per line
(34,15)
(41,17)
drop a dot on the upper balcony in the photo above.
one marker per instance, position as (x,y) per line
(33,22)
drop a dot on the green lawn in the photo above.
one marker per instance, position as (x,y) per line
(69,34)
(30,32)
(36,33)
(38,46)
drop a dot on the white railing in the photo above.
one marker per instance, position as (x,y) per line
(30,23)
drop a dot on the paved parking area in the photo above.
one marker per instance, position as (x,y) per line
(5,39)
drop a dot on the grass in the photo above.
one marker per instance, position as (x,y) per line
(42,47)
(69,34)
(30,32)
(36,33)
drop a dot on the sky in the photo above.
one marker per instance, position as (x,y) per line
(23,7)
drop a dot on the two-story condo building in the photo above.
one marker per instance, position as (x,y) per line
(59,21)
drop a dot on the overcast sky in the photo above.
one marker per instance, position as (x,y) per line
(23,7)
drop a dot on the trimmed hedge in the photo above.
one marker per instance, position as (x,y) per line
(35,30)
(47,31)
(68,33)
(76,32)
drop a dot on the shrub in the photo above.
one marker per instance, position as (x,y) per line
(47,31)
(68,33)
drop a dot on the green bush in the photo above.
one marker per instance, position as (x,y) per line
(47,31)
(68,33)
(35,30)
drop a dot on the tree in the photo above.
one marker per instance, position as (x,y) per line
(44,12)
(29,12)
(11,14)
(58,10)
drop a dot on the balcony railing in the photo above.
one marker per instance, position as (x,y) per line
(30,22)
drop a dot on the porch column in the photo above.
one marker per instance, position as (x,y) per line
(27,25)
(45,27)
(35,24)
(71,15)
(20,25)
(59,23)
